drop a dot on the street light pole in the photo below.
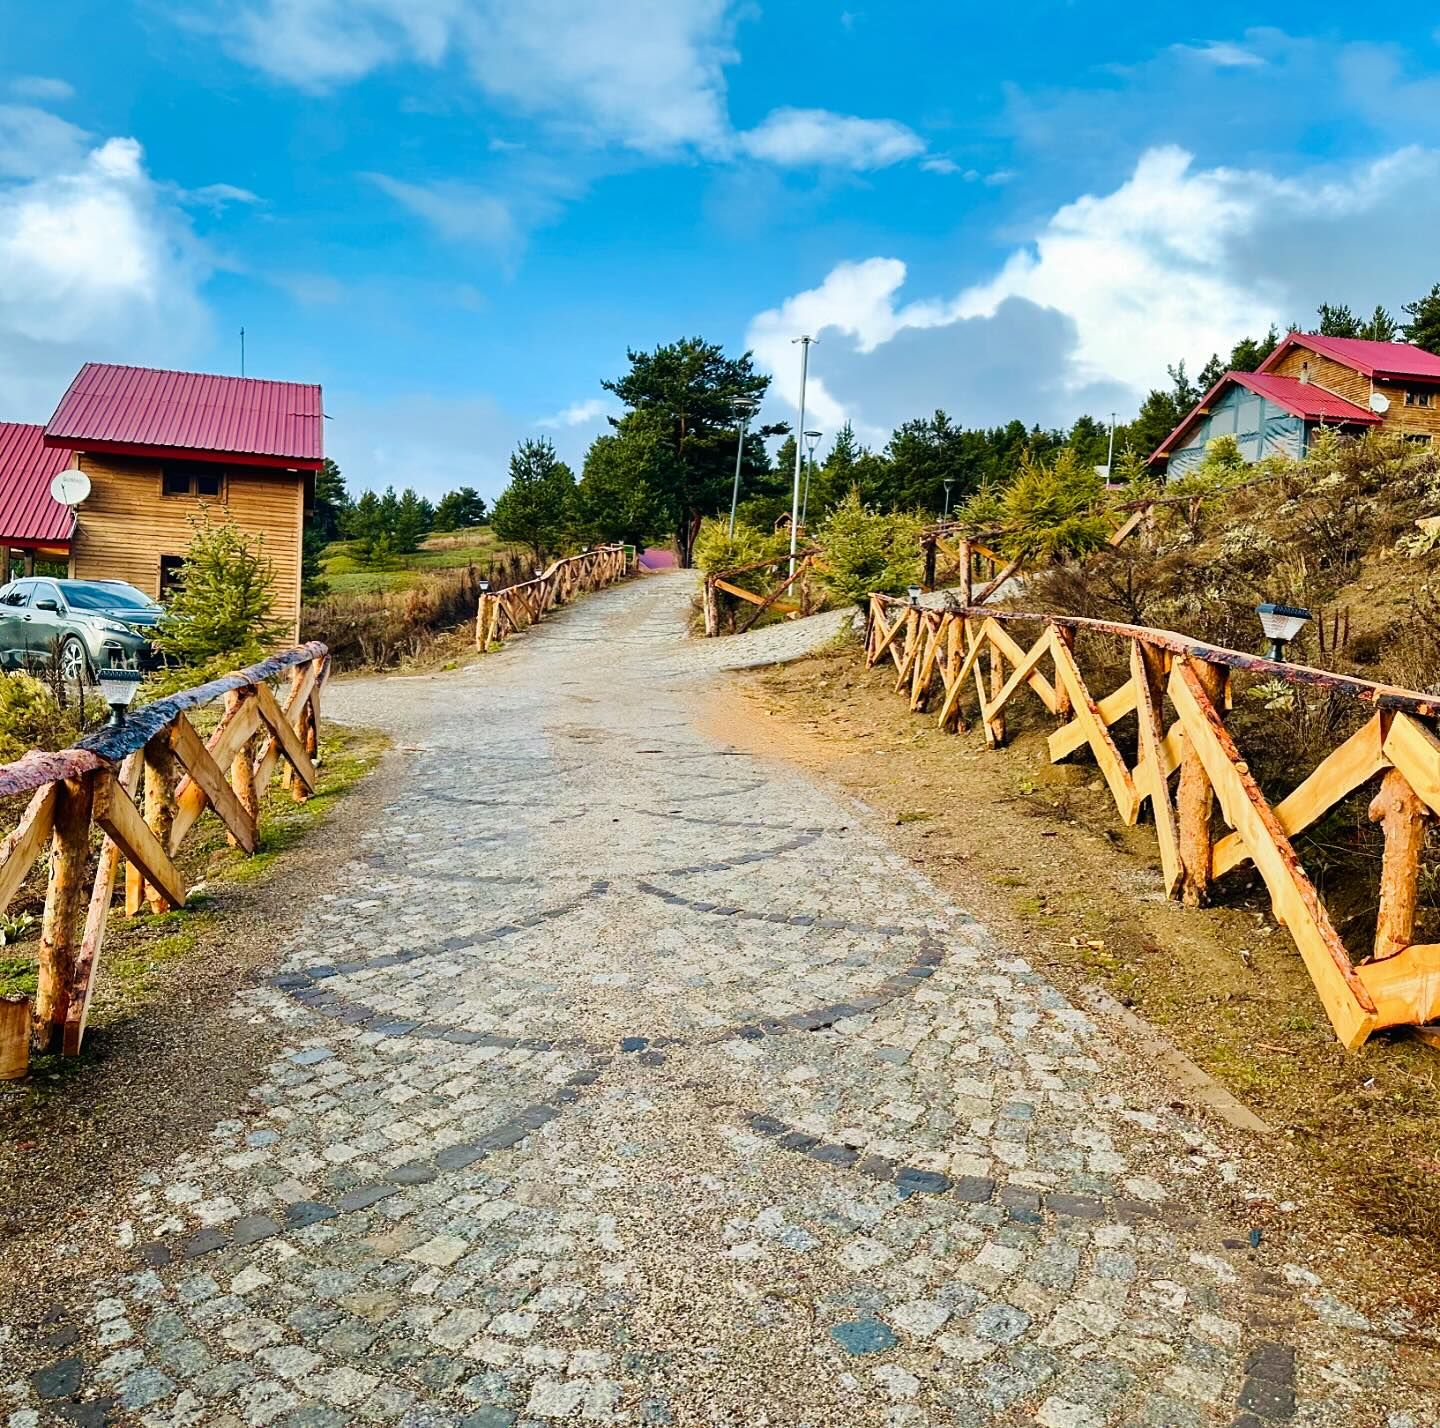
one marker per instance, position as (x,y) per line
(811,437)
(743,407)
(1110,460)
(799,448)
(949,482)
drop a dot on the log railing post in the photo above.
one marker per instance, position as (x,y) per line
(1402,816)
(70,845)
(1064,635)
(242,766)
(159,802)
(1195,799)
(997,683)
(966,585)
(14,1037)
(929,545)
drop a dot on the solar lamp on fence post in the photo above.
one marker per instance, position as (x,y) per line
(117,689)
(913,591)
(1281,624)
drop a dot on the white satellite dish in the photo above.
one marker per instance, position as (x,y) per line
(1379,403)
(70,487)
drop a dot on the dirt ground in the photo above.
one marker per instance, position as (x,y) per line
(1035,850)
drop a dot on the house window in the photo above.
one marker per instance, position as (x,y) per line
(170,573)
(1420,438)
(1419,399)
(191,478)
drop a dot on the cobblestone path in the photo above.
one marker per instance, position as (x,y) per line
(629,1079)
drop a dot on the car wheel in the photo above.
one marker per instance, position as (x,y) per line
(74,662)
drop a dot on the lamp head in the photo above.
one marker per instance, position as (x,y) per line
(913,592)
(1281,624)
(118,688)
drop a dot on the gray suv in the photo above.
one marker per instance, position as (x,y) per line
(87,624)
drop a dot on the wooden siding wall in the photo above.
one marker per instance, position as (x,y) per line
(1356,387)
(126,524)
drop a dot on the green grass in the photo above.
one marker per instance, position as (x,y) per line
(452,550)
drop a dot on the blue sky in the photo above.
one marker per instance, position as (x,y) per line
(456,214)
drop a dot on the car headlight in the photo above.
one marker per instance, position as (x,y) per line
(114,627)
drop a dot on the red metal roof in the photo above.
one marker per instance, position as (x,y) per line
(1373,359)
(1302,399)
(1305,399)
(141,411)
(28,515)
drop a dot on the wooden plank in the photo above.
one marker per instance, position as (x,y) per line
(1107,756)
(735,590)
(1000,637)
(119,817)
(191,751)
(26,843)
(291,744)
(14,1037)
(1111,709)
(295,699)
(239,725)
(1343,770)
(70,843)
(97,917)
(1415,751)
(987,590)
(1147,675)
(1021,674)
(1406,987)
(950,710)
(1295,902)
(776,593)
(889,634)
(1195,800)
(1135,518)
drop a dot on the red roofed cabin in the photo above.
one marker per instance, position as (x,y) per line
(159,445)
(1306,383)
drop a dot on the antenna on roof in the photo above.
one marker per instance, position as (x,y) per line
(242,351)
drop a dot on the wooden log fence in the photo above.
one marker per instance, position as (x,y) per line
(501,613)
(936,651)
(158,755)
(795,584)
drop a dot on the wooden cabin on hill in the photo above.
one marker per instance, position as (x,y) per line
(157,446)
(1308,383)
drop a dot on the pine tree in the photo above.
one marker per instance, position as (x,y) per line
(459,510)
(224,598)
(1381,327)
(1336,320)
(535,508)
(1423,327)
(413,517)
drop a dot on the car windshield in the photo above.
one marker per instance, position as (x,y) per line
(82,595)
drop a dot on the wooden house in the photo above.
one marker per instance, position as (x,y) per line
(160,446)
(1307,383)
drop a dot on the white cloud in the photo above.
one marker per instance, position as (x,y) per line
(648,74)
(586,413)
(96,262)
(1223,54)
(1176,261)
(219,196)
(805,137)
(460,212)
(34,143)
(42,88)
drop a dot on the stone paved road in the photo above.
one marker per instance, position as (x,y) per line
(631,1080)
